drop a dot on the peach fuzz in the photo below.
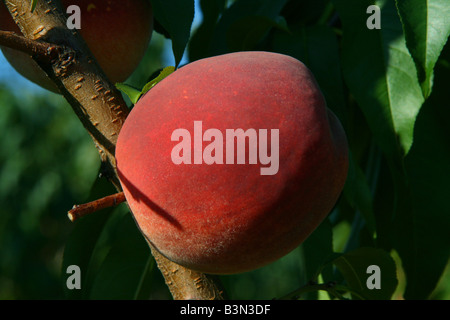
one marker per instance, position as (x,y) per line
(229,218)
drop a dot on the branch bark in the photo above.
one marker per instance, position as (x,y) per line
(81,210)
(41,51)
(66,59)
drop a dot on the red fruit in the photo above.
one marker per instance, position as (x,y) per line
(230,218)
(117,33)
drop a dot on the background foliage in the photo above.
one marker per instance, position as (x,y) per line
(389,87)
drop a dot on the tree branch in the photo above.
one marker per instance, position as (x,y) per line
(41,51)
(98,105)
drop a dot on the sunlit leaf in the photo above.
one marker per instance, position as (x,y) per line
(134,94)
(381,75)
(427,28)
(164,73)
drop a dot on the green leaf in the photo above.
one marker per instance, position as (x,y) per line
(359,194)
(134,94)
(241,9)
(164,73)
(306,13)
(427,28)
(125,272)
(33,5)
(317,249)
(245,33)
(425,248)
(381,75)
(199,45)
(80,246)
(176,17)
(354,266)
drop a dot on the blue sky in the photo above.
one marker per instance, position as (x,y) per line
(9,75)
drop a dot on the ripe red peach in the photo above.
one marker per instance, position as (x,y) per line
(191,196)
(117,33)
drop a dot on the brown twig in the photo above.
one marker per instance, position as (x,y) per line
(101,109)
(45,52)
(81,210)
